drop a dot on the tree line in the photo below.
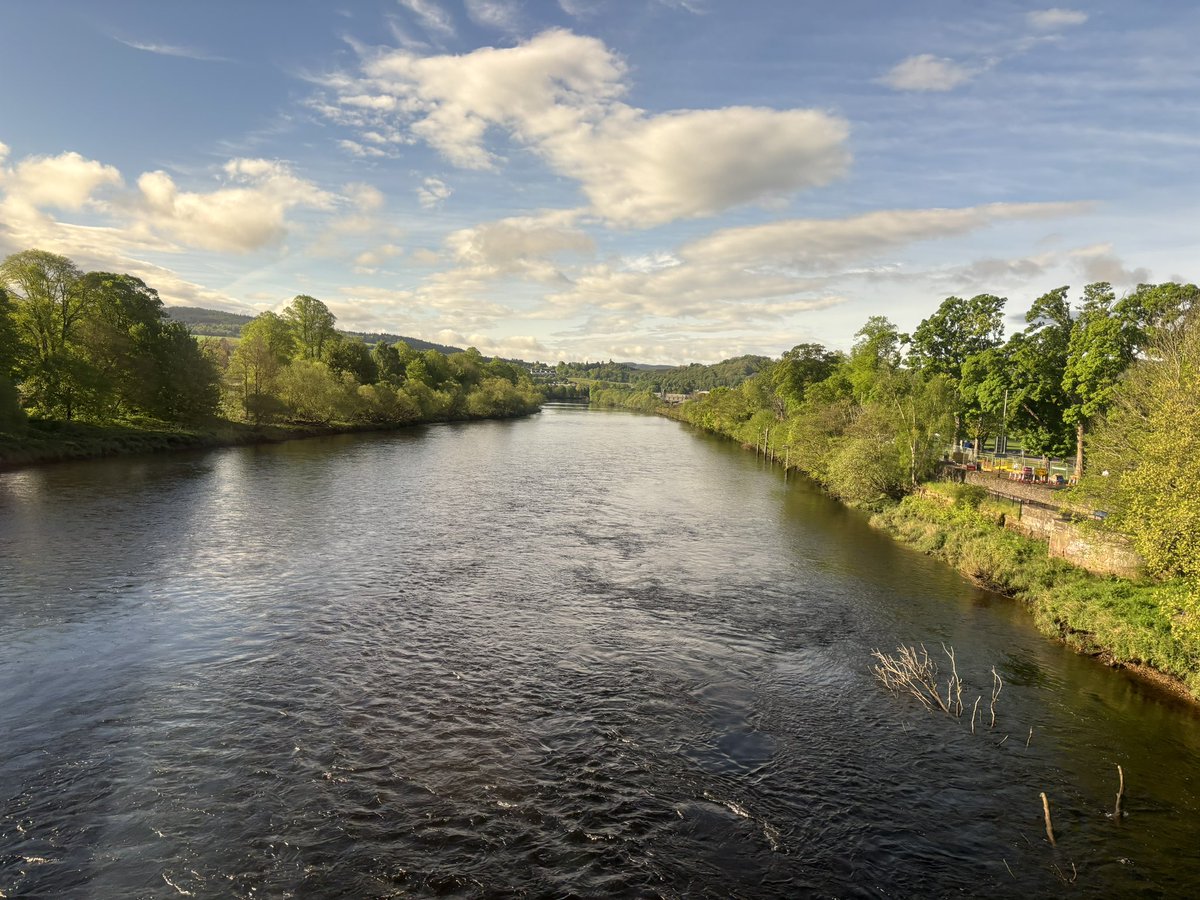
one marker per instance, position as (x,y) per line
(100,347)
(1115,377)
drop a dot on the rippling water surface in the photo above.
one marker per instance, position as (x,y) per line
(581,654)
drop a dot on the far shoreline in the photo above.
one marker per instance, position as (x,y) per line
(41,444)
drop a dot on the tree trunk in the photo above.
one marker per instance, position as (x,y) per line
(1078,451)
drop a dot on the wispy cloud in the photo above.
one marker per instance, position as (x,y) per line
(171,50)
(503,15)
(431,16)
(927,72)
(1055,18)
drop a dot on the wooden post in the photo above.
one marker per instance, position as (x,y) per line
(787,459)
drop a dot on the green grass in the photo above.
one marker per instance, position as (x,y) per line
(1128,622)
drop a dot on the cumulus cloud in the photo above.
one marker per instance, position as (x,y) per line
(927,72)
(559,95)
(249,213)
(1055,18)
(519,244)
(67,181)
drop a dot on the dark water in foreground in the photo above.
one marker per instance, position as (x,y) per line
(583,653)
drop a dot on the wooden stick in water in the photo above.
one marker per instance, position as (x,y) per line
(1120,792)
(1046,810)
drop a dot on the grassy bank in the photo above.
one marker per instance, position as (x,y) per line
(1140,624)
(43,442)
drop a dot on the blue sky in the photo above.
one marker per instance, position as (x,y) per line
(662,181)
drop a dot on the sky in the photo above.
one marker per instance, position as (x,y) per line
(661,181)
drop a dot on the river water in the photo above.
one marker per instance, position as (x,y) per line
(584,653)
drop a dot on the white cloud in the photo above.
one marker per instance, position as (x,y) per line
(67,181)
(768,272)
(432,193)
(1100,263)
(171,50)
(558,94)
(356,149)
(366,198)
(369,261)
(246,215)
(525,244)
(502,15)
(1055,18)
(579,8)
(927,72)
(431,16)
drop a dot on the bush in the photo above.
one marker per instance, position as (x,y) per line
(11,413)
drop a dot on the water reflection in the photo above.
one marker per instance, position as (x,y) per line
(582,653)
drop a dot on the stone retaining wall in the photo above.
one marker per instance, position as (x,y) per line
(1077,543)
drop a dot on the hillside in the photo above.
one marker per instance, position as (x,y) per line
(218,323)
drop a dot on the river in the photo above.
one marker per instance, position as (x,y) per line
(585,653)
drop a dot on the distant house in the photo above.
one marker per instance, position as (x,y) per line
(541,372)
(674,399)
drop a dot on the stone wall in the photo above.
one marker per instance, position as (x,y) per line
(1099,552)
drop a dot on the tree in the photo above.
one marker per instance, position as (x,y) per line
(51,302)
(1099,349)
(314,393)
(312,323)
(1145,446)
(803,365)
(1037,360)
(876,352)
(958,330)
(266,346)
(387,363)
(350,355)
(10,340)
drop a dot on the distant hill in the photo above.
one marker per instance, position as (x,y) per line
(218,323)
(697,377)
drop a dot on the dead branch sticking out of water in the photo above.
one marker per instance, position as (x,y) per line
(912,672)
(1120,793)
(997,687)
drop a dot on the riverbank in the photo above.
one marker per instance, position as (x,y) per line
(1149,628)
(1134,624)
(48,442)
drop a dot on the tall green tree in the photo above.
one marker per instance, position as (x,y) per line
(875,354)
(51,304)
(959,330)
(266,346)
(1037,360)
(797,369)
(1099,350)
(312,323)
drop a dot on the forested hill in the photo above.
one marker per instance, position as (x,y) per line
(218,323)
(673,379)
(697,377)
